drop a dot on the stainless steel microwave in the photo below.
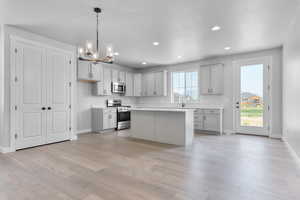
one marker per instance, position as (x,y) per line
(118,87)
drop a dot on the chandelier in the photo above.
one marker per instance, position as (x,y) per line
(93,55)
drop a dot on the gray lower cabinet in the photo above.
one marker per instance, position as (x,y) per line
(104,119)
(207,119)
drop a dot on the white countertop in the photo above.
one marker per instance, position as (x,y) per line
(162,109)
(186,107)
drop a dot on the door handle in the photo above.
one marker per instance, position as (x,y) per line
(237,102)
(43,108)
(49,108)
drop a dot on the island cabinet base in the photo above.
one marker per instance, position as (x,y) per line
(163,126)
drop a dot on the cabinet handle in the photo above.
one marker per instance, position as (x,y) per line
(43,108)
(49,108)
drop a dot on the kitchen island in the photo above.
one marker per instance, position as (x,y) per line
(164,125)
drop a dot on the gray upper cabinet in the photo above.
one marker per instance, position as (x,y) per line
(129,84)
(211,79)
(103,87)
(88,71)
(160,83)
(121,77)
(118,76)
(137,85)
(154,84)
(107,81)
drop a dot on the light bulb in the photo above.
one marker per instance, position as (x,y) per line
(89,45)
(155,43)
(95,55)
(109,51)
(216,28)
(80,50)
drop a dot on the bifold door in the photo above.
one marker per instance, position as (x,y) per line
(41,94)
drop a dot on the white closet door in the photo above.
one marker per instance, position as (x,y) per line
(58,96)
(28,61)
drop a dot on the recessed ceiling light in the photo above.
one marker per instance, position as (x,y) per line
(155,43)
(216,28)
(116,53)
(144,63)
(179,57)
(227,48)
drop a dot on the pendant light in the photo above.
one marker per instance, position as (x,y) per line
(89,54)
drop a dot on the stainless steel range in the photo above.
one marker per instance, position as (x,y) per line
(123,113)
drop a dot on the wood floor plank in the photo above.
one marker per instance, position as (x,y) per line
(114,167)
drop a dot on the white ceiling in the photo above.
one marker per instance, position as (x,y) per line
(181,26)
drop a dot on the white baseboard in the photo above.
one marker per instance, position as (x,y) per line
(83,131)
(276,136)
(5,150)
(292,151)
(74,137)
(229,132)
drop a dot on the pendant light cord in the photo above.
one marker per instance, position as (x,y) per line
(98,33)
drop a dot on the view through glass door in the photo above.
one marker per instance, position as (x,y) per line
(252,97)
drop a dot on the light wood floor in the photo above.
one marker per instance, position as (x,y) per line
(111,167)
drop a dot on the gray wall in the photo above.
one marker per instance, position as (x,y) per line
(227,99)
(291,86)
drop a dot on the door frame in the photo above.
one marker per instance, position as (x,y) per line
(12,40)
(267,61)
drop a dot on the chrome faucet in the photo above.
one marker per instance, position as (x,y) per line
(182,105)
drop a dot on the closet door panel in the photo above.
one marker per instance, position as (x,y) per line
(29,63)
(58,96)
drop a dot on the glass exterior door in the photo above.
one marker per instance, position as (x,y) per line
(252,92)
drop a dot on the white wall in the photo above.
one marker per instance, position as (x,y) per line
(85,100)
(82,103)
(227,99)
(7,31)
(1,85)
(291,86)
